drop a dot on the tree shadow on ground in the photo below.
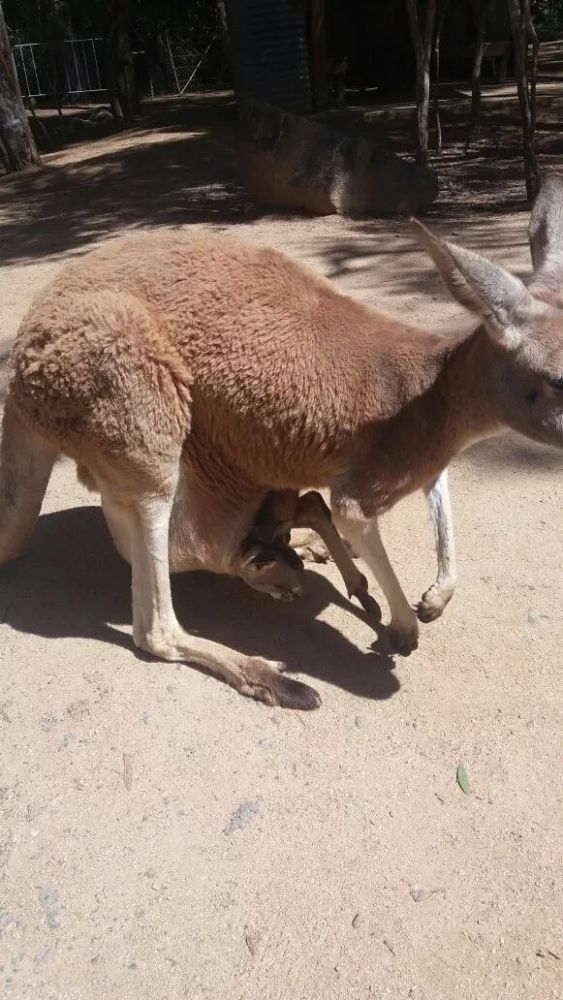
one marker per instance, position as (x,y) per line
(390,250)
(150,183)
(49,592)
(176,166)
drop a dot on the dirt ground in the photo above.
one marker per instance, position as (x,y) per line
(162,837)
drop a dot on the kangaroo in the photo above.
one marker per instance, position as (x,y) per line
(192,377)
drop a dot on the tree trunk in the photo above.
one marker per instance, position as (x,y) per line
(474,121)
(422,42)
(437,122)
(522,30)
(534,70)
(17,145)
(319,61)
(123,88)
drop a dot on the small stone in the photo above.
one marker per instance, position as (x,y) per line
(355,920)
(49,899)
(532,618)
(245,814)
(69,740)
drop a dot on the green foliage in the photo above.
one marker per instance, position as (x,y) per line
(547,15)
(41,20)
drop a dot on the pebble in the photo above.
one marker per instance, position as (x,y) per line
(49,900)
(245,814)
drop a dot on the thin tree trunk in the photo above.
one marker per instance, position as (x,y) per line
(534,69)
(474,121)
(422,42)
(17,145)
(437,122)
(521,25)
(124,100)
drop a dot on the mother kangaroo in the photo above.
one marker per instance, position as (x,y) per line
(191,376)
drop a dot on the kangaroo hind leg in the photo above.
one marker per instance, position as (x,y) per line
(156,628)
(26,461)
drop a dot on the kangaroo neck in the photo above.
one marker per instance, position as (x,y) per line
(408,451)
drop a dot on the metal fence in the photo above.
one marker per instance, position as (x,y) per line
(69,67)
(77,66)
(185,61)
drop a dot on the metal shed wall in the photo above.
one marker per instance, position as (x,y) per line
(269,44)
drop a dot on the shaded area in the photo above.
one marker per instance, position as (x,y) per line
(45,593)
(176,166)
(168,172)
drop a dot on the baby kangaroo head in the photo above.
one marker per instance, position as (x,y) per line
(271,569)
(522,333)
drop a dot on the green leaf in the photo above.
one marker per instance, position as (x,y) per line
(462,779)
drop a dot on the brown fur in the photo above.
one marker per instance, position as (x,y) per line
(303,377)
(191,377)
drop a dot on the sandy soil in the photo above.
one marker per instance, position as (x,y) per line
(162,837)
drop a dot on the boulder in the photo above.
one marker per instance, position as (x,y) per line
(289,162)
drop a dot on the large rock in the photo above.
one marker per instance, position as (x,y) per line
(289,162)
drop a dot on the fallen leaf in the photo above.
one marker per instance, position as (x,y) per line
(462,779)
(251,940)
(419,894)
(127,771)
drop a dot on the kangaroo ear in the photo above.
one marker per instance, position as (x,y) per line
(500,298)
(546,233)
(258,558)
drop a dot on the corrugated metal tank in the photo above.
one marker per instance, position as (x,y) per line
(270,56)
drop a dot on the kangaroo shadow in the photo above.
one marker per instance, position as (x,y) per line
(72,582)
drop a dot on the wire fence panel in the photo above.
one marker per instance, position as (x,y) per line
(78,66)
(69,67)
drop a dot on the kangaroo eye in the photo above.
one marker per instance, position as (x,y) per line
(556,383)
